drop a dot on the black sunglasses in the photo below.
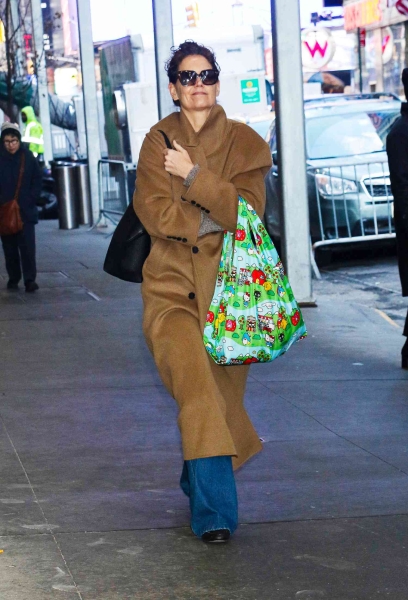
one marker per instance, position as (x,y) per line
(208,77)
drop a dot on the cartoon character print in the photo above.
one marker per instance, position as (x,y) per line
(266,323)
(230,291)
(279,267)
(244,276)
(281,291)
(246,339)
(257,295)
(246,299)
(232,277)
(251,324)
(230,323)
(241,322)
(282,319)
(270,340)
(251,210)
(220,278)
(281,337)
(220,319)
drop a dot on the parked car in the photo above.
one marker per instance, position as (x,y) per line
(348,181)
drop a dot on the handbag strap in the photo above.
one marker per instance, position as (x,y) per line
(20,177)
(166,139)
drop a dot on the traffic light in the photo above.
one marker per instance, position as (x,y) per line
(192,14)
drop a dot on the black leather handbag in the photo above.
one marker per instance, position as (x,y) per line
(130,245)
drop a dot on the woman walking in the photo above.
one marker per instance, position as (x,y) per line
(186,197)
(20,175)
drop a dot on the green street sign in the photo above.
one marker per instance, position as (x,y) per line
(250,91)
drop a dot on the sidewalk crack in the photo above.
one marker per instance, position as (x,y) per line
(50,530)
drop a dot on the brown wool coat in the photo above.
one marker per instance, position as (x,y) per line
(180,272)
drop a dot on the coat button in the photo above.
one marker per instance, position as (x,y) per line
(195,249)
(191,295)
(193,202)
(184,240)
(178,239)
(207,211)
(198,205)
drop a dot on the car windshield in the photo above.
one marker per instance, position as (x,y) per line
(348,135)
(261,127)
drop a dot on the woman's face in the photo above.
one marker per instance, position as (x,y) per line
(199,96)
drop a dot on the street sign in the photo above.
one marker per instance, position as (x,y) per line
(250,91)
(318,48)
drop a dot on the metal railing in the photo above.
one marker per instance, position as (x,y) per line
(350,203)
(115,193)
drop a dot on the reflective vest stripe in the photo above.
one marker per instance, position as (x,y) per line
(29,139)
(33,140)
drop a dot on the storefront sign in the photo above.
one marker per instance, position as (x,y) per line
(387,44)
(318,48)
(250,91)
(362,14)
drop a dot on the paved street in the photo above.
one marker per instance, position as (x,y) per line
(90,453)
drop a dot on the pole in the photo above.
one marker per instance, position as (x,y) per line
(360,60)
(90,100)
(163,41)
(294,211)
(41,71)
(17,28)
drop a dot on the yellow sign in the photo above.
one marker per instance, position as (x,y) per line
(2,33)
(192,14)
(362,14)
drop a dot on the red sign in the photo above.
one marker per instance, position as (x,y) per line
(402,7)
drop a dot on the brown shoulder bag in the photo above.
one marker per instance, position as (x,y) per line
(10,216)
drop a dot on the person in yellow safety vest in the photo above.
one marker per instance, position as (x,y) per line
(33,131)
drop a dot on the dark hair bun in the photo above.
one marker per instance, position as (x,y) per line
(187,48)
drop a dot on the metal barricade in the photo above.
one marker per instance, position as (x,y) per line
(115,193)
(350,203)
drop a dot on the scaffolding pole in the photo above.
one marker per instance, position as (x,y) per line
(294,207)
(90,100)
(163,41)
(41,71)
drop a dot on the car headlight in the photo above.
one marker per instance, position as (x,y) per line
(334,186)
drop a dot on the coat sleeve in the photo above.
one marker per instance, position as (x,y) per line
(153,202)
(397,150)
(218,197)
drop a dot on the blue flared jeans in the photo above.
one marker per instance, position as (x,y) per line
(209,484)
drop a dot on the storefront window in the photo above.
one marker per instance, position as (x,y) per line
(393,57)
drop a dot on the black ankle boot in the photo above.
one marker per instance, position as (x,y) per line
(216,537)
(404,356)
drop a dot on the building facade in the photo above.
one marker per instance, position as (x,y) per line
(380,29)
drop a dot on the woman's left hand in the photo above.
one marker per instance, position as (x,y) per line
(177,162)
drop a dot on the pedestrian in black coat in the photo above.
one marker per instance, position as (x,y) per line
(19,249)
(397,150)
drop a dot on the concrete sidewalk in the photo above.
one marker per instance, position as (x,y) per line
(90,453)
